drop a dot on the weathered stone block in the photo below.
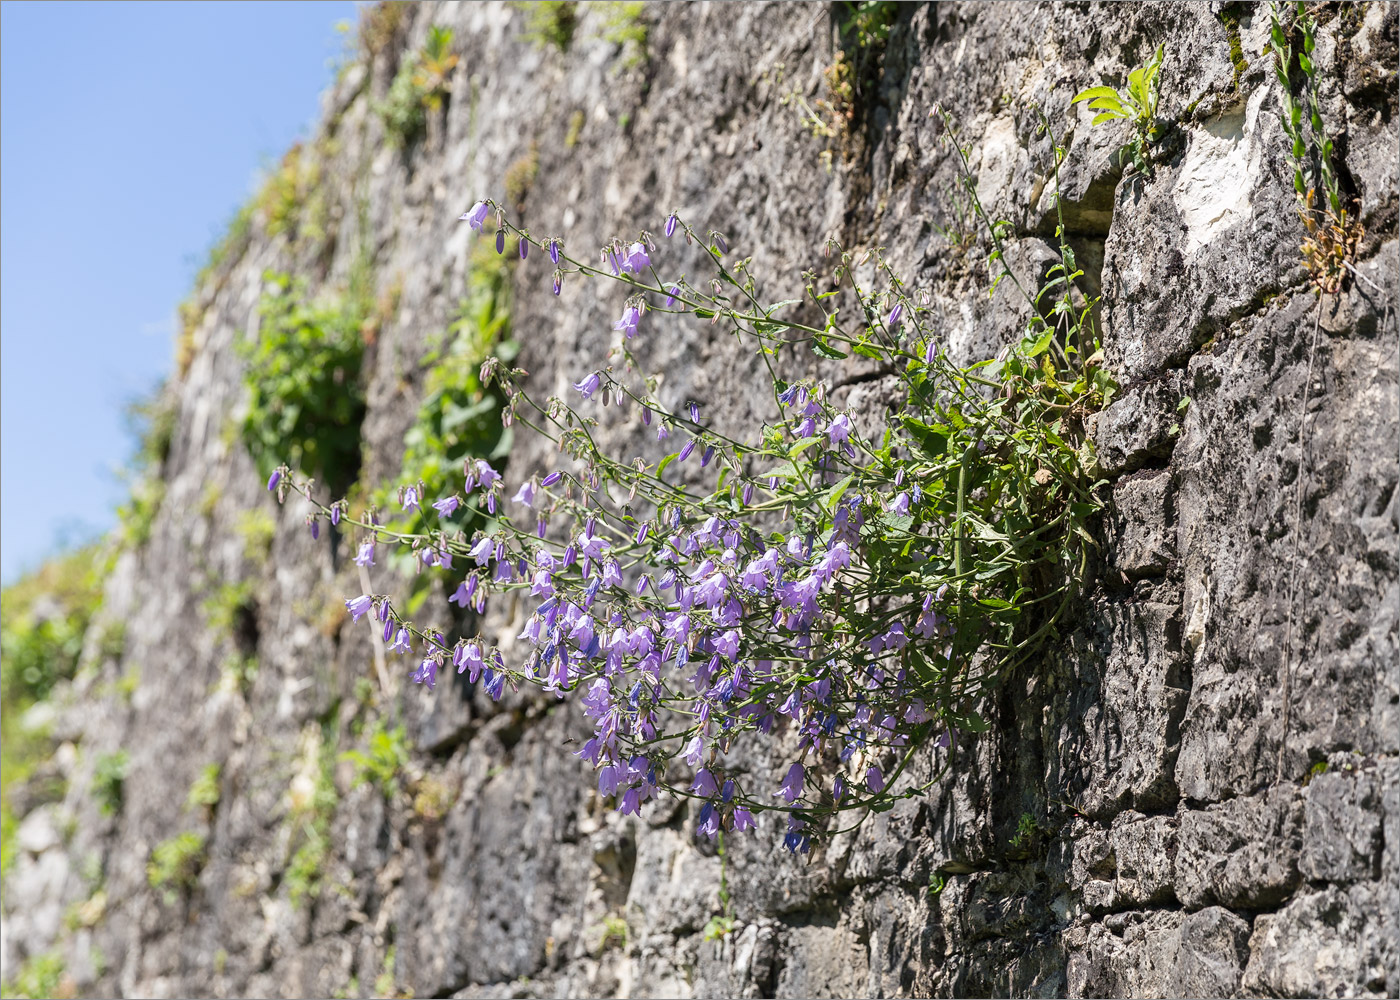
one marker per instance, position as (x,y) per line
(1335,943)
(1140,425)
(1241,853)
(1341,827)
(1142,540)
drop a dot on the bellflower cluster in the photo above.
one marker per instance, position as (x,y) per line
(846,585)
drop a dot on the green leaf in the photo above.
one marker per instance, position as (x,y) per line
(866,351)
(833,496)
(801,446)
(1093,92)
(825,350)
(661,466)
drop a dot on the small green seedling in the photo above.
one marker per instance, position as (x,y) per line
(1136,103)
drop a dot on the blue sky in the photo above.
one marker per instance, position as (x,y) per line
(129,135)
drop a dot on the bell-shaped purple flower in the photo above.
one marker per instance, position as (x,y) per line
(476,215)
(839,429)
(634,258)
(631,316)
(589,385)
(791,788)
(359,606)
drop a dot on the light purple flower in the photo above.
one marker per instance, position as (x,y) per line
(634,258)
(874,779)
(485,474)
(410,498)
(704,783)
(671,221)
(359,606)
(476,215)
(482,550)
(631,316)
(526,493)
(892,321)
(554,246)
(839,429)
(589,385)
(791,789)
(447,505)
(401,642)
(899,506)
(551,479)
(686,450)
(365,557)
(671,294)
(743,819)
(274,479)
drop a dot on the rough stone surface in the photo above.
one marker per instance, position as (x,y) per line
(1147,816)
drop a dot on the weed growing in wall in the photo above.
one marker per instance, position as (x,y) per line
(303,377)
(175,864)
(109,781)
(1333,231)
(379,764)
(419,88)
(1135,103)
(850,584)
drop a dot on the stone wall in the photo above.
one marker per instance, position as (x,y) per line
(1195,792)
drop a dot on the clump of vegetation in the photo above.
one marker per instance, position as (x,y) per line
(549,22)
(175,864)
(153,421)
(520,177)
(227,609)
(379,764)
(109,781)
(41,976)
(381,23)
(621,23)
(303,376)
(1333,232)
(256,528)
(419,88)
(433,797)
(1136,104)
(44,620)
(625,27)
(291,200)
(863,28)
(204,790)
(310,816)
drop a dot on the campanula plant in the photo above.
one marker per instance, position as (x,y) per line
(849,585)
